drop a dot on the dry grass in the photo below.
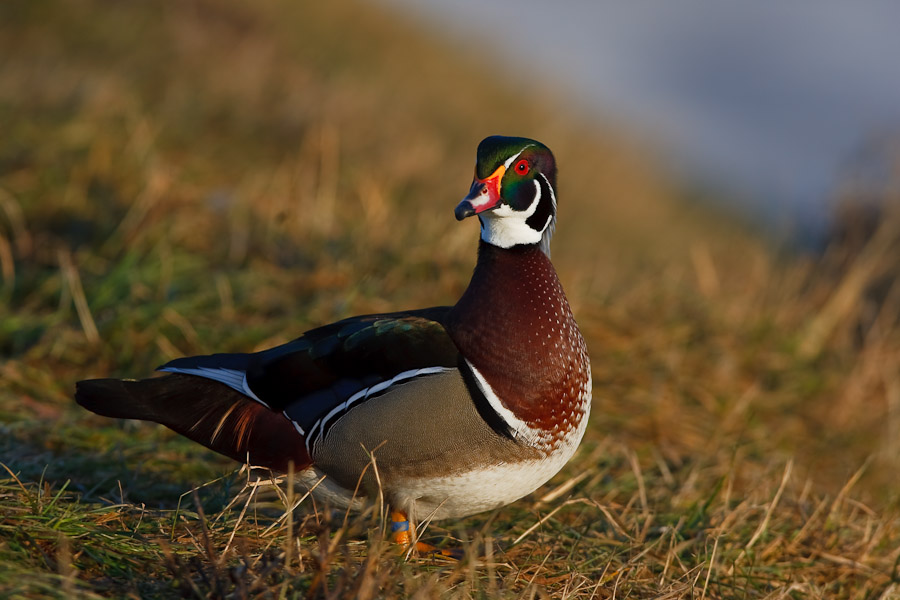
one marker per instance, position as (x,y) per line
(180,178)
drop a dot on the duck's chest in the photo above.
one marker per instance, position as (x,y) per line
(515,329)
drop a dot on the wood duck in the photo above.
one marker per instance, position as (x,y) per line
(465,408)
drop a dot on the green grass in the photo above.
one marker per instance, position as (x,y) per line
(182,178)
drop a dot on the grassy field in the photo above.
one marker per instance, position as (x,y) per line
(188,177)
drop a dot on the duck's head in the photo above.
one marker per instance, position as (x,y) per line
(513,193)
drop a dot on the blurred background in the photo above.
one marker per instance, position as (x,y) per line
(206,176)
(777,104)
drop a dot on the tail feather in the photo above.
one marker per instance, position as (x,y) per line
(203,410)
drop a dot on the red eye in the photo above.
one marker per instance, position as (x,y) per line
(522,167)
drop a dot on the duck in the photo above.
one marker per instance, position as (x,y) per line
(463,408)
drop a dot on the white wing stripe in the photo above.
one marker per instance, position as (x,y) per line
(233,378)
(340,407)
(296,424)
(320,425)
(245,387)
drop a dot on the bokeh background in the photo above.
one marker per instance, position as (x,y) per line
(192,177)
(775,102)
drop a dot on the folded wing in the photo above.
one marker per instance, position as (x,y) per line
(270,407)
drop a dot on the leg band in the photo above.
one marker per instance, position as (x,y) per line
(399,526)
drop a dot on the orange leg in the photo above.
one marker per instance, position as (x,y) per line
(400,529)
(403,534)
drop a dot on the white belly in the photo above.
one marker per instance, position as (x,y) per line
(475,491)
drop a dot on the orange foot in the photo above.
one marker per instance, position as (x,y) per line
(403,534)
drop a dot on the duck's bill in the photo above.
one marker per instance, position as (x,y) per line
(484,195)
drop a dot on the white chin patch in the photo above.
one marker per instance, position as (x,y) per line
(505,227)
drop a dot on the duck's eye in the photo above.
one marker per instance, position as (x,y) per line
(522,167)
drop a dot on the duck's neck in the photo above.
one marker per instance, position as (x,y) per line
(514,327)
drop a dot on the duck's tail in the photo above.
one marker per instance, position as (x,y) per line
(203,410)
